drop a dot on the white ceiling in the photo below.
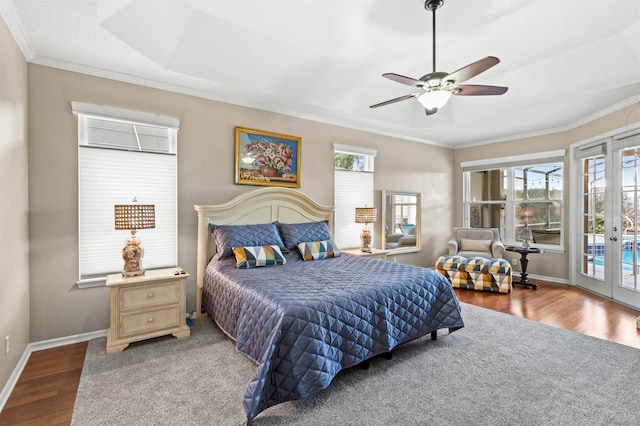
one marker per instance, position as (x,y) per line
(564,62)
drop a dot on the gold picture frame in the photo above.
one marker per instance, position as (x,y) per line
(266,158)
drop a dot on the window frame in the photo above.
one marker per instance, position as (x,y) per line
(346,230)
(87,112)
(509,227)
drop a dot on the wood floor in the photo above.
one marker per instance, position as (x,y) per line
(46,390)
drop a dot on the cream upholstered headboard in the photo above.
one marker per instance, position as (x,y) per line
(264,205)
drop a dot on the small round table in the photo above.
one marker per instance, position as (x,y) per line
(524,252)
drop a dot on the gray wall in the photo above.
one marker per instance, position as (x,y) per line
(14,208)
(205,176)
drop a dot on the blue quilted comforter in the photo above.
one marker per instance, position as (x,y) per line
(303,322)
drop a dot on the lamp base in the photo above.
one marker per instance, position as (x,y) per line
(132,254)
(365,238)
(133,273)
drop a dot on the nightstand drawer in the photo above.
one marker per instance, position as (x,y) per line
(150,320)
(149,295)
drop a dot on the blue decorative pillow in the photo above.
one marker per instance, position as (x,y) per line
(316,250)
(252,257)
(296,233)
(229,236)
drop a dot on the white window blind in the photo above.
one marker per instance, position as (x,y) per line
(119,160)
(352,189)
(109,177)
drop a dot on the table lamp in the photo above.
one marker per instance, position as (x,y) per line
(366,215)
(133,217)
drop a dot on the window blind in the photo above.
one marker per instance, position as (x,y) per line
(591,150)
(513,161)
(108,177)
(352,189)
(626,141)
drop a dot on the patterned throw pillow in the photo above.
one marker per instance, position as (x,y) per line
(316,250)
(252,257)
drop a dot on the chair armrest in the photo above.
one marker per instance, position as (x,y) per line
(452,245)
(497,249)
(393,238)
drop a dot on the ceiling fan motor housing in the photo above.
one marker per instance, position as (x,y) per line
(436,79)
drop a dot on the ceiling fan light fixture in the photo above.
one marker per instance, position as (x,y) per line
(434,98)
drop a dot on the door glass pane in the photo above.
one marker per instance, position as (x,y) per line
(593,248)
(629,220)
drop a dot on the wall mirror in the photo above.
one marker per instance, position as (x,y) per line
(400,221)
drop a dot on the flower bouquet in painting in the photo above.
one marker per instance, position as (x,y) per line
(265,158)
(272,159)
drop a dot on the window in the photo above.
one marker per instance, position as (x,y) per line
(353,187)
(515,193)
(124,155)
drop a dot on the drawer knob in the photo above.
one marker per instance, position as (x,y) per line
(150,295)
(150,319)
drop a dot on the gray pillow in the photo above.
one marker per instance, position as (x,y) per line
(296,233)
(229,236)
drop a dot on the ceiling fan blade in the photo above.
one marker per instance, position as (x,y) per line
(476,90)
(430,111)
(391,101)
(403,80)
(473,69)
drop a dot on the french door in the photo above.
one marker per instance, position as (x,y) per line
(606,246)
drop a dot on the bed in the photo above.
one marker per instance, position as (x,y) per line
(303,321)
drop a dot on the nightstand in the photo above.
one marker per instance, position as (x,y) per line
(375,253)
(146,306)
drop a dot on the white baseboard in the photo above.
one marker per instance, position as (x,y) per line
(13,378)
(68,340)
(516,274)
(38,346)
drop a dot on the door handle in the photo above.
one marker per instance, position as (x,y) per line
(613,238)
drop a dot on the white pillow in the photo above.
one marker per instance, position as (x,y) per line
(475,245)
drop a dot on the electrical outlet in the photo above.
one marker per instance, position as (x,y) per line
(514,262)
(6,344)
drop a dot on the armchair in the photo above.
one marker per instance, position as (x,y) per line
(408,238)
(476,242)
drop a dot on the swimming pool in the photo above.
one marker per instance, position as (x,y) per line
(627,259)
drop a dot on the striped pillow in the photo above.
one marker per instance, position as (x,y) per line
(252,257)
(315,250)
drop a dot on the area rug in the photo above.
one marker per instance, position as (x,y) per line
(498,370)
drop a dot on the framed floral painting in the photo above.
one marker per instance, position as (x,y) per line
(264,158)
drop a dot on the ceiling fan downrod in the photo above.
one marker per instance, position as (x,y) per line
(432,6)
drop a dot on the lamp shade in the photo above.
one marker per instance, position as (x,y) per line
(366,214)
(134,216)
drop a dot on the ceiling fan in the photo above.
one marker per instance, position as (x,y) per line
(435,88)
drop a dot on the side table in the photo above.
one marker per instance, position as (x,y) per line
(524,262)
(146,306)
(375,253)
